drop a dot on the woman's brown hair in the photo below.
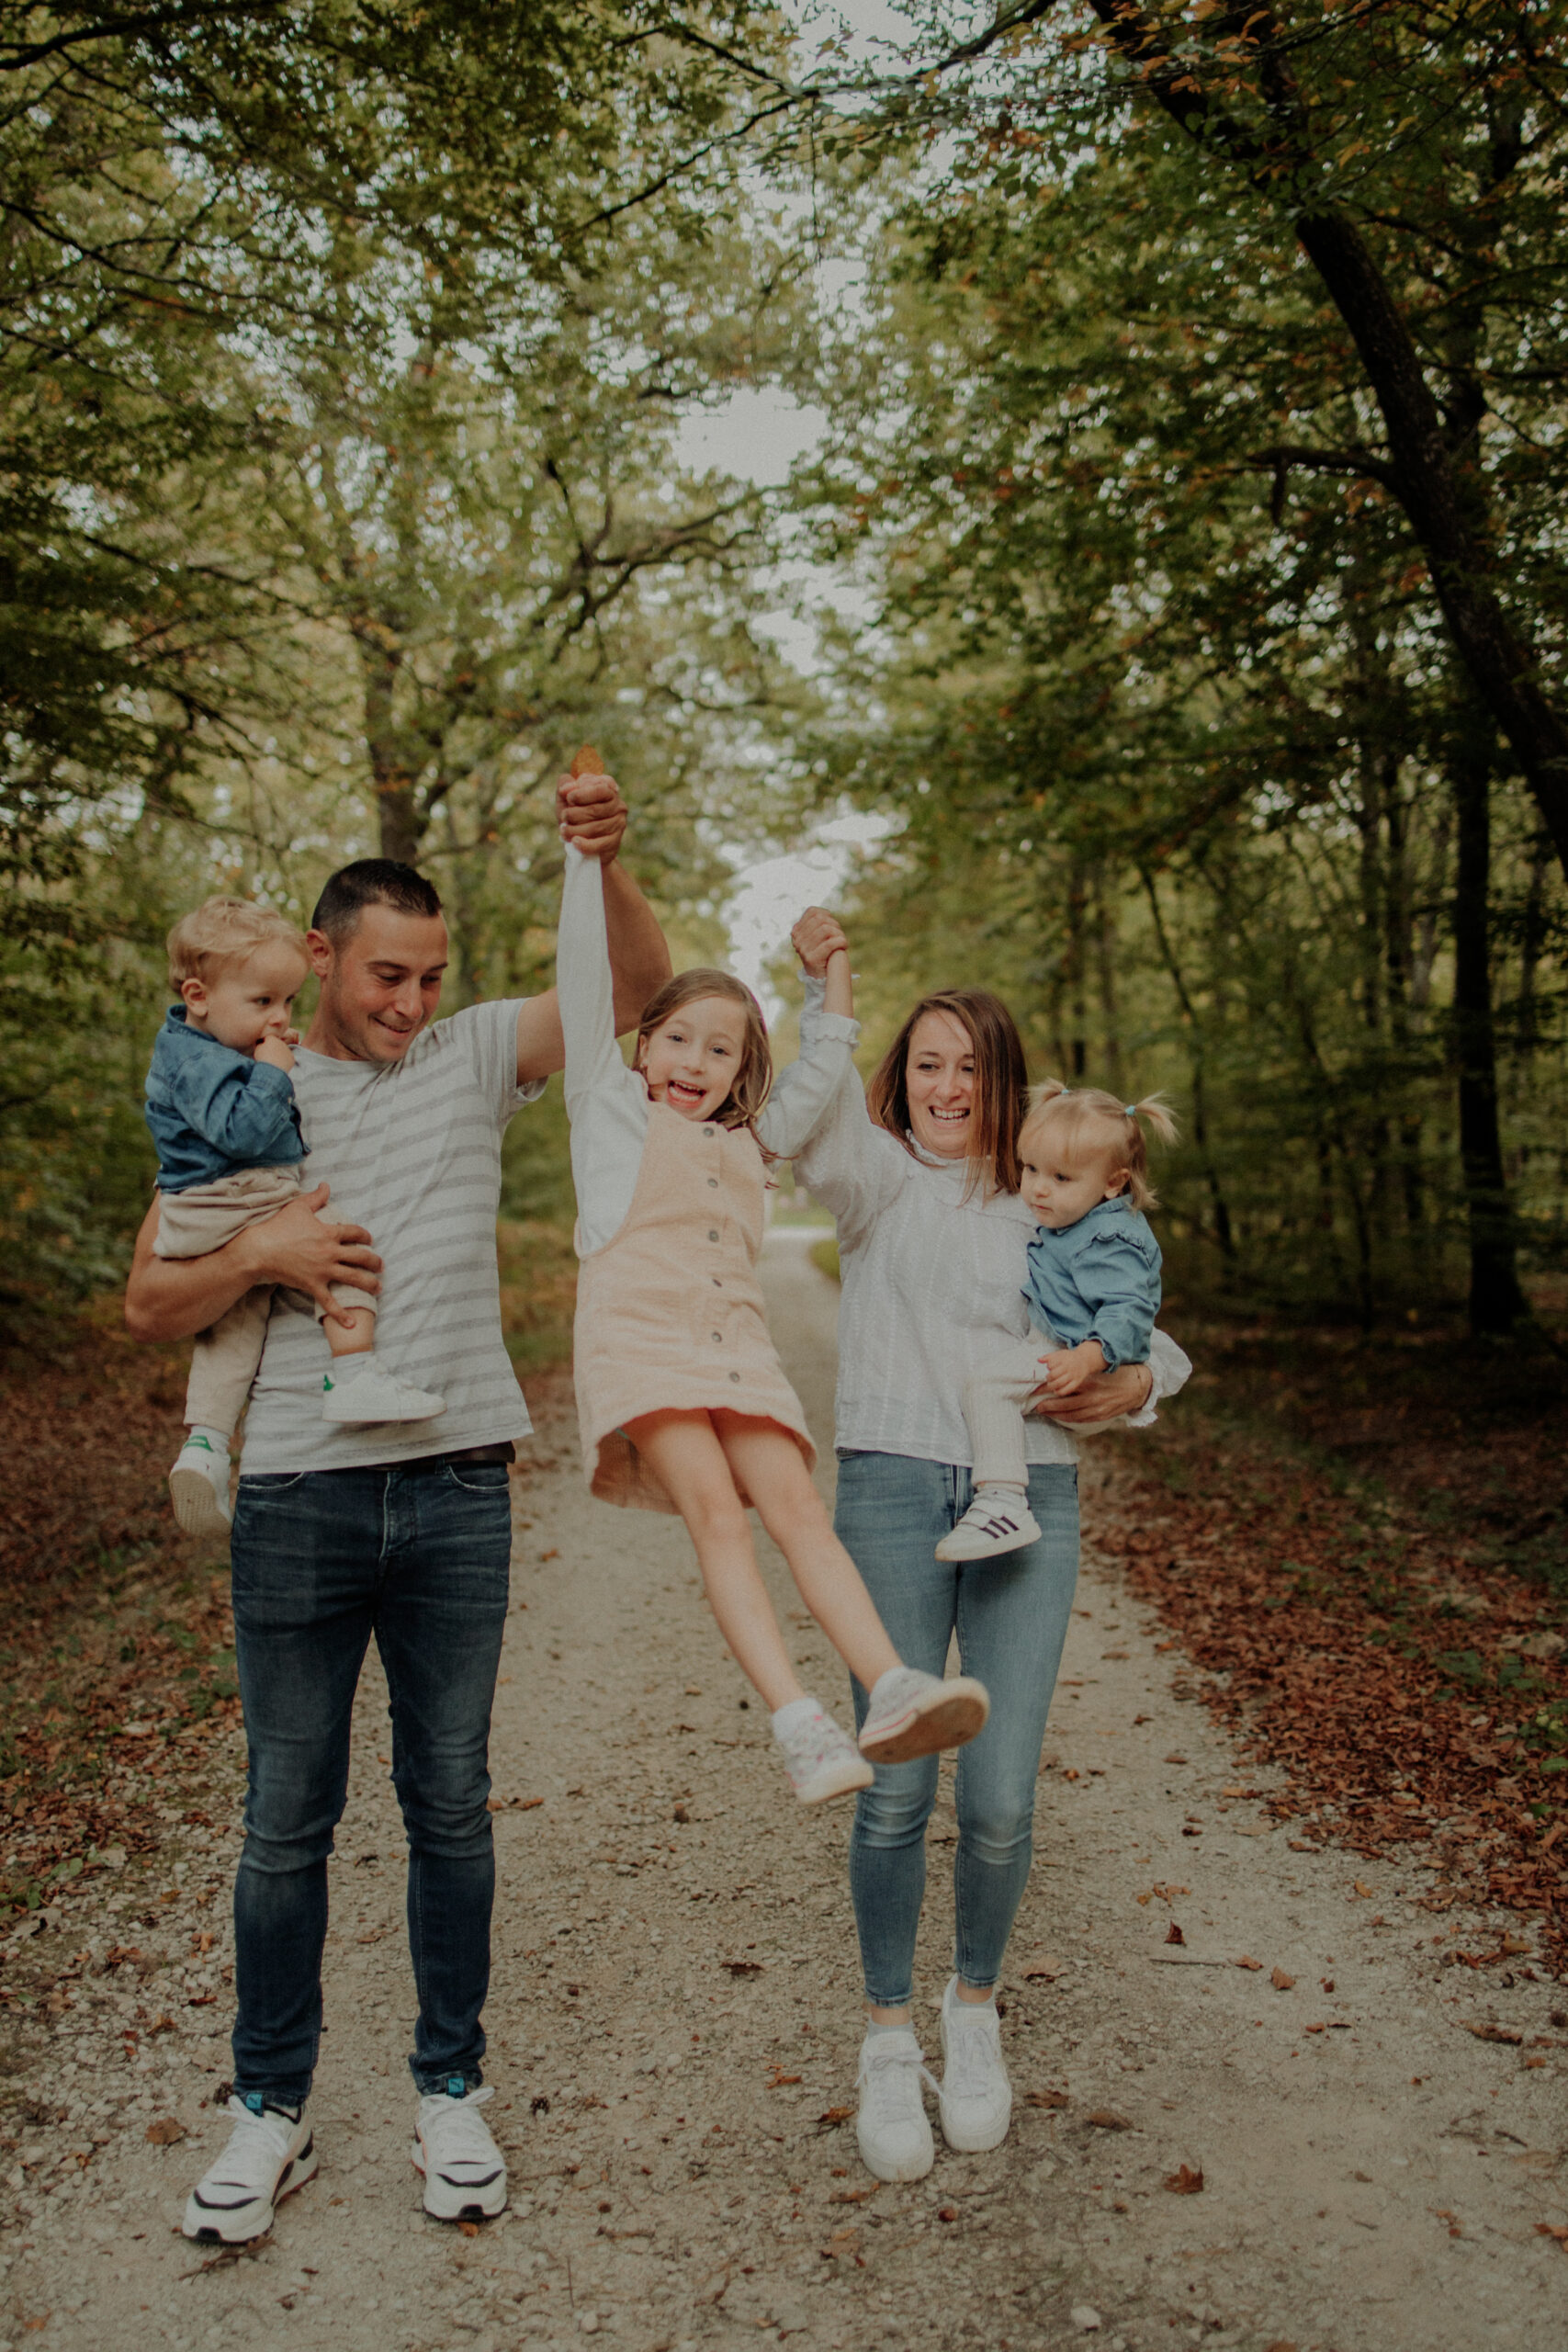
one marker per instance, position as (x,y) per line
(754,1079)
(1001,1082)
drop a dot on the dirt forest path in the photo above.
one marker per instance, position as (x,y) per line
(674,2023)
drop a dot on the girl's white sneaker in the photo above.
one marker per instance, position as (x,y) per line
(377,1394)
(974,2094)
(821,1760)
(270,2154)
(915,1714)
(198,1488)
(988,1529)
(465,2172)
(891,2127)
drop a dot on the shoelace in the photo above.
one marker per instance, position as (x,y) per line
(257,2145)
(972,2056)
(455,2135)
(885,2074)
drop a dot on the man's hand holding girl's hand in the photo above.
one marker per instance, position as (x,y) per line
(591,814)
(1105,1397)
(817,938)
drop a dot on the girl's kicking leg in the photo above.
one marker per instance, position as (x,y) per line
(684,1452)
(911,1713)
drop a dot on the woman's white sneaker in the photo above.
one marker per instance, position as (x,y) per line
(991,1526)
(821,1760)
(270,2154)
(377,1394)
(891,2127)
(914,1714)
(465,2172)
(975,2096)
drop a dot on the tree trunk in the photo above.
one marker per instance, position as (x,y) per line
(1222,1215)
(398,812)
(1496,1302)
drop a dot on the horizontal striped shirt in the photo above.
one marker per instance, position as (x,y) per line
(411,1151)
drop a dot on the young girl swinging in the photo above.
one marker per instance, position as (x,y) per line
(682,1402)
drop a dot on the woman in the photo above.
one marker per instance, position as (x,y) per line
(921,1174)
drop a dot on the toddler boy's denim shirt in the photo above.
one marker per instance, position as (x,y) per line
(213,1111)
(1097,1280)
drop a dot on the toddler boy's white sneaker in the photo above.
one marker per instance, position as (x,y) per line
(993,1524)
(270,2154)
(821,1760)
(465,2172)
(377,1394)
(891,2127)
(976,2095)
(915,1714)
(198,1488)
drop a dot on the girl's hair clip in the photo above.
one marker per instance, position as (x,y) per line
(1129,1110)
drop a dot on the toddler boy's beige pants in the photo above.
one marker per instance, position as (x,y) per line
(994,1398)
(192,1225)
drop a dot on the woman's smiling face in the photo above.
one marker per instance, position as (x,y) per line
(940,1080)
(692,1061)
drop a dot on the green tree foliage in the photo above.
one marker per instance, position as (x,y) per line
(1191,749)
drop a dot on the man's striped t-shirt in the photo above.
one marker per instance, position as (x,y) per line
(411,1151)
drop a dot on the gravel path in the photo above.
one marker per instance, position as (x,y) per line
(674,2022)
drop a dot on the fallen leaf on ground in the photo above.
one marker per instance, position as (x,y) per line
(1186,2181)
(742,1967)
(1363,1890)
(165,2130)
(1553,2229)
(1105,2118)
(835,2115)
(1173,1934)
(1495,2033)
(1044,2099)
(947,2212)
(1254,1964)
(1280,1981)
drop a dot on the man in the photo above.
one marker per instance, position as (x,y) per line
(400,1530)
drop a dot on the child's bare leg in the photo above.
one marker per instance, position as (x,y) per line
(772,1468)
(684,1452)
(355,1337)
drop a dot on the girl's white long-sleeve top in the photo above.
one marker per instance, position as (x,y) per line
(607,1102)
(932,1286)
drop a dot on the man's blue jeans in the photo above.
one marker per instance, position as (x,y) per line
(1010,1615)
(419,1557)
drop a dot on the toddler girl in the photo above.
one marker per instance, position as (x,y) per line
(1093,1291)
(220,1106)
(682,1402)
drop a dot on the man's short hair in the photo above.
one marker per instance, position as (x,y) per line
(223,929)
(370,882)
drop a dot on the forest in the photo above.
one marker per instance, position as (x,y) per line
(1174,582)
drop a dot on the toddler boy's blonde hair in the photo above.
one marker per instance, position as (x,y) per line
(1088,1114)
(220,929)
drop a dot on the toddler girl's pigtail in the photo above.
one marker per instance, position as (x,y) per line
(1048,1091)
(1155,1114)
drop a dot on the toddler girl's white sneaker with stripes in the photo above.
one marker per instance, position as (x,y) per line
(270,2154)
(916,1714)
(821,1760)
(465,2172)
(997,1521)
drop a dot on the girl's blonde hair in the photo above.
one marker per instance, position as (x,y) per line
(1117,1128)
(754,1079)
(220,930)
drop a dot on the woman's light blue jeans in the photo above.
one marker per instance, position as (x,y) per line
(1010,1615)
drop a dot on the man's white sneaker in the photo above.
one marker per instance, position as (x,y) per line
(270,2154)
(465,2172)
(891,2127)
(198,1488)
(914,1714)
(988,1528)
(975,2096)
(377,1395)
(821,1760)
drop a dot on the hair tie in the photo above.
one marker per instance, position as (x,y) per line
(1129,1110)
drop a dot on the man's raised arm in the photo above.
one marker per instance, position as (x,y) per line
(592,816)
(172,1298)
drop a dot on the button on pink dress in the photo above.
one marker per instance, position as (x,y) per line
(670,1316)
